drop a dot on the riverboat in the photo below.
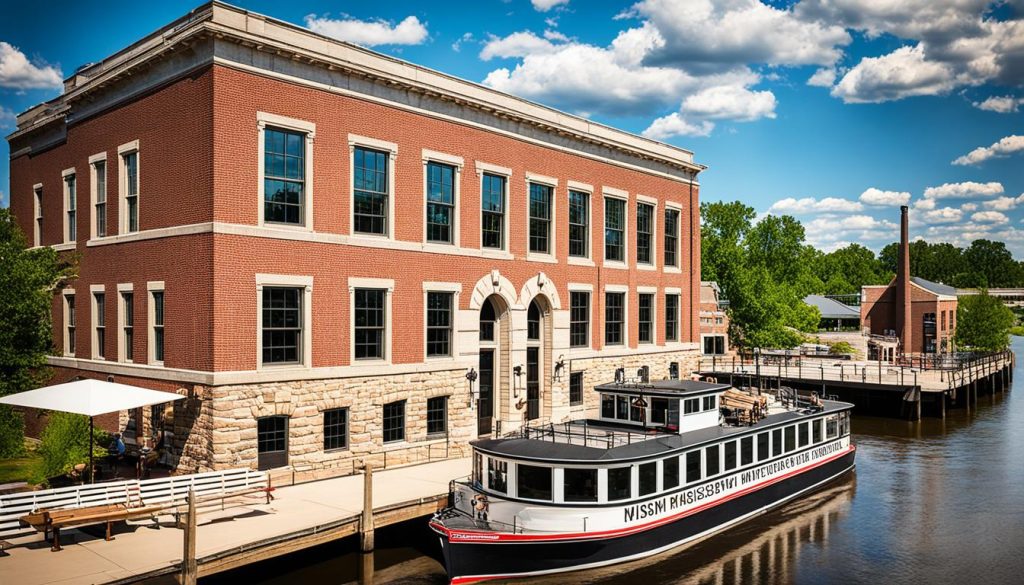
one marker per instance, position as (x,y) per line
(665,464)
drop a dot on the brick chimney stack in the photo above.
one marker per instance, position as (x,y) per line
(903,283)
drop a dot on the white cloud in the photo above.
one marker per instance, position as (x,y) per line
(924,204)
(969,207)
(964,190)
(808,205)
(1002,203)
(675,125)
(7,118)
(3,199)
(943,215)
(824,77)
(824,232)
(873,196)
(518,44)
(369,33)
(545,5)
(17,72)
(990,217)
(903,73)
(731,102)
(554,35)
(1001,104)
(1001,149)
(465,38)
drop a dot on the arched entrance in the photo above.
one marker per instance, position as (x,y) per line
(538,354)
(494,352)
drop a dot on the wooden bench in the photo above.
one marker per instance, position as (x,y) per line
(51,521)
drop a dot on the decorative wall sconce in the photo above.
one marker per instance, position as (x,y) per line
(471,376)
(559,366)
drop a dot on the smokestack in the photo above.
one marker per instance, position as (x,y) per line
(903,282)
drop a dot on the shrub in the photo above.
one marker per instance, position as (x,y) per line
(841,348)
(12,433)
(65,443)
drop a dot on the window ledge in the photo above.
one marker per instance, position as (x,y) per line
(546,258)
(496,254)
(672,270)
(615,265)
(580,261)
(65,246)
(286,226)
(440,247)
(649,267)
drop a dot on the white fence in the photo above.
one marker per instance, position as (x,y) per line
(169,491)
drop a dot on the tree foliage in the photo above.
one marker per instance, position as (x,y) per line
(65,443)
(983,323)
(983,264)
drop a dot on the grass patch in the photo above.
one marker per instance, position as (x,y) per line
(20,468)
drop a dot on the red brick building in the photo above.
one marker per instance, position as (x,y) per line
(335,253)
(714,321)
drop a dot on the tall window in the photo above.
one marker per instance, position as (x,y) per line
(70,325)
(71,229)
(394,421)
(579,214)
(158,325)
(272,441)
(282,325)
(284,176)
(644,233)
(437,415)
(100,326)
(576,388)
(131,198)
(440,202)
(370,179)
(127,326)
(614,229)
(38,198)
(540,218)
(439,324)
(369,323)
(614,315)
(672,317)
(492,201)
(645,324)
(100,170)
(671,237)
(579,319)
(335,429)
(533,322)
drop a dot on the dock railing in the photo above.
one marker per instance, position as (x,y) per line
(580,433)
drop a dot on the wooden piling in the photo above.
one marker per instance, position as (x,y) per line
(366,525)
(189,568)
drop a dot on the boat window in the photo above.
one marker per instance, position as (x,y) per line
(711,461)
(619,483)
(691,405)
(816,431)
(692,466)
(844,423)
(497,475)
(673,414)
(659,410)
(478,469)
(776,442)
(635,414)
(580,485)
(762,446)
(746,450)
(730,455)
(803,434)
(670,473)
(709,402)
(622,407)
(790,438)
(831,427)
(648,478)
(607,406)
(533,482)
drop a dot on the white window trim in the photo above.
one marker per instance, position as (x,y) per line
(151,287)
(37,206)
(389,288)
(122,185)
(94,192)
(615,288)
(653,291)
(725,343)
(653,202)
(293,281)
(94,320)
(551,256)
(678,292)
(264,119)
(612,193)
(68,292)
(355,140)
(451,160)
(677,267)
(64,191)
(449,287)
(587,260)
(121,312)
(589,289)
(504,251)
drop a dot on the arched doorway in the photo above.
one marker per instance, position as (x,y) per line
(538,343)
(494,350)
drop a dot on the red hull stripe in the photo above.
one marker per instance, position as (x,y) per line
(492,537)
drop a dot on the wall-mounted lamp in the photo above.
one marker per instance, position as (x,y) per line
(517,371)
(559,366)
(471,376)
(620,375)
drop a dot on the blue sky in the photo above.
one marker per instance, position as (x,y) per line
(835,111)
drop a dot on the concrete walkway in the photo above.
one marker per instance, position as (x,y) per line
(141,548)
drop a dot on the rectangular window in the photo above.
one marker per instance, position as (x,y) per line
(692,466)
(709,403)
(816,431)
(440,202)
(762,446)
(671,317)
(671,237)
(831,427)
(540,218)
(71,228)
(776,442)
(644,233)
(128,326)
(746,450)
(803,434)
(158,325)
(492,201)
(648,473)
(100,170)
(284,176)
(100,326)
(580,484)
(70,325)
(670,473)
(533,482)
(575,388)
(497,475)
(620,483)
(437,415)
(282,325)
(38,198)
(371,190)
(439,324)
(369,323)
(394,421)
(691,405)
(645,325)
(614,229)
(131,197)
(272,441)
(335,429)
(711,461)
(790,438)
(714,344)
(607,406)
(579,319)
(614,316)
(579,231)
(730,456)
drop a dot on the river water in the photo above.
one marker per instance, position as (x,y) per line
(934,502)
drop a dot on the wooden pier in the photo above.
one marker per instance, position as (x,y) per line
(910,390)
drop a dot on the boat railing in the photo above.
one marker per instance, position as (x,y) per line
(581,433)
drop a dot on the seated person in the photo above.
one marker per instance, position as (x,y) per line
(118,447)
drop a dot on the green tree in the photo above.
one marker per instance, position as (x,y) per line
(846,270)
(995,263)
(28,278)
(983,323)
(65,443)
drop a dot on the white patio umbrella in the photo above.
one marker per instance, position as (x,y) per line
(91,398)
